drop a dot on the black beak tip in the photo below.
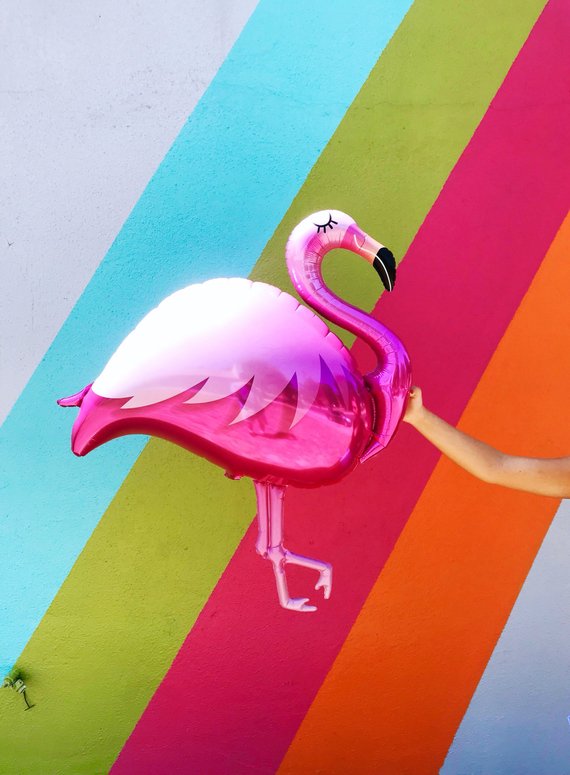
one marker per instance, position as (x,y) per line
(385,265)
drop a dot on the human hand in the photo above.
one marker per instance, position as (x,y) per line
(415,407)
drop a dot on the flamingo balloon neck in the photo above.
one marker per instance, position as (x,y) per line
(304,263)
(390,380)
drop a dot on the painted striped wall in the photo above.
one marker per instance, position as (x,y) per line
(149,148)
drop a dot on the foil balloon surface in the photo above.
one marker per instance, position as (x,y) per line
(244,375)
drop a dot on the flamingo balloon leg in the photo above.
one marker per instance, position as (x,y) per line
(270,518)
(244,375)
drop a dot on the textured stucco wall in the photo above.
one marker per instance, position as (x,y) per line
(129,587)
(93,94)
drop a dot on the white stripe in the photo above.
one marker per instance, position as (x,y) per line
(93,96)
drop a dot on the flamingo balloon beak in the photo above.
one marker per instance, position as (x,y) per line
(385,264)
(378,255)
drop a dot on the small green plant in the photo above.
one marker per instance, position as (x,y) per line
(14,680)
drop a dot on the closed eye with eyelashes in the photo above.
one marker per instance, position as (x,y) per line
(324,226)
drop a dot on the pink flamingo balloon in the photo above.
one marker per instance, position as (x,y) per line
(242,374)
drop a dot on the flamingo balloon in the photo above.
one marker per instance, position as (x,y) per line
(242,374)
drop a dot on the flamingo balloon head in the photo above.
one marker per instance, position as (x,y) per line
(328,229)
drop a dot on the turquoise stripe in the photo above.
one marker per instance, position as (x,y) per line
(208,211)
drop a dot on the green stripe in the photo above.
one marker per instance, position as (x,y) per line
(114,627)
(144,576)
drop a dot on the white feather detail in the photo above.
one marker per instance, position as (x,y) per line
(216,387)
(225,333)
(308,393)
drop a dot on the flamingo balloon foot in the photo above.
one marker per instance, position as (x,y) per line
(325,581)
(270,508)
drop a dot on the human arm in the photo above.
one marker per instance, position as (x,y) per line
(538,475)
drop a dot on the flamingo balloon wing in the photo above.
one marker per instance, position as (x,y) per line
(222,335)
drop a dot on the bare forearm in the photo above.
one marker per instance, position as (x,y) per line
(537,475)
(480,459)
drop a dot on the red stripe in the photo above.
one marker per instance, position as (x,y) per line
(248,671)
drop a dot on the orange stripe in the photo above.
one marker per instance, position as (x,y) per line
(404,677)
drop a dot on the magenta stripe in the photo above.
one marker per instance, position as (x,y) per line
(248,671)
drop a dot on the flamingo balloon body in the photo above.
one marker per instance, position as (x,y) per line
(242,374)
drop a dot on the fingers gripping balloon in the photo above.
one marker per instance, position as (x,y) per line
(244,375)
